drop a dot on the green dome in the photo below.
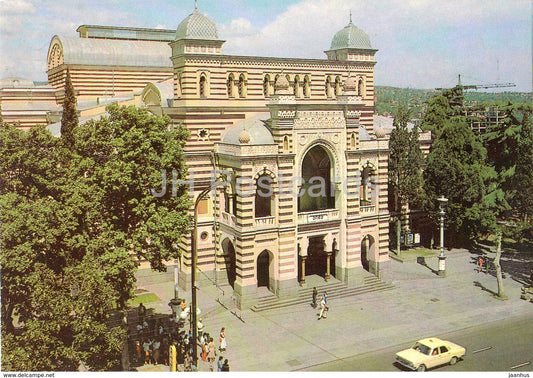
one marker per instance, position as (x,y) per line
(351,37)
(197,26)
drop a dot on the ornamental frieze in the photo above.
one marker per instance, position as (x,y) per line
(320,119)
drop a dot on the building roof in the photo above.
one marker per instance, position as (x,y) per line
(16,82)
(197,26)
(258,133)
(351,37)
(109,52)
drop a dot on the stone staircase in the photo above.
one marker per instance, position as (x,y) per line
(336,289)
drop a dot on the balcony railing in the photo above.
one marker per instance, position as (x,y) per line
(229,219)
(265,221)
(367,209)
(318,216)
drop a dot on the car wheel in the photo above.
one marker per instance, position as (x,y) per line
(453,361)
(421,368)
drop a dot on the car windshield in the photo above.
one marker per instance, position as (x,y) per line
(422,348)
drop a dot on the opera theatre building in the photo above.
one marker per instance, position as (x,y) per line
(304,168)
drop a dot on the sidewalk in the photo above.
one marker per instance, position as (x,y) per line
(423,304)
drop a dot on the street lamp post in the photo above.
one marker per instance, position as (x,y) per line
(194,242)
(442,259)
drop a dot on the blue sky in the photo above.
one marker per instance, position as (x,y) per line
(422,43)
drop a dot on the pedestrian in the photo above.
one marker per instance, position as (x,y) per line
(141,312)
(173,356)
(326,297)
(323,309)
(200,327)
(138,351)
(211,349)
(203,355)
(147,351)
(155,351)
(220,362)
(480,264)
(223,344)
(187,362)
(225,366)
(315,294)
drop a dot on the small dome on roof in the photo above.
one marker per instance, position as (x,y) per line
(379,132)
(351,37)
(254,133)
(197,26)
(350,85)
(244,137)
(281,86)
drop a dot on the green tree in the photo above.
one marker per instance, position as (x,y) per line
(456,168)
(71,229)
(438,112)
(69,118)
(405,167)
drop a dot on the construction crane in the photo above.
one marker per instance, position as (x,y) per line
(457,91)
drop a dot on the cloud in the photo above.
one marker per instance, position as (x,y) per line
(422,43)
(9,7)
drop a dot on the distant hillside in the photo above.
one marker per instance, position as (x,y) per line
(390,98)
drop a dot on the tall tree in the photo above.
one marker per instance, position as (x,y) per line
(72,229)
(69,118)
(405,167)
(437,113)
(456,168)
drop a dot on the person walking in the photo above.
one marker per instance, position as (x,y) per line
(155,351)
(173,356)
(220,363)
(323,309)
(225,366)
(480,264)
(211,349)
(223,343)
(315,294)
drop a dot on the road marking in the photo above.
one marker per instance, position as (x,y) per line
(481,350)
(521,365)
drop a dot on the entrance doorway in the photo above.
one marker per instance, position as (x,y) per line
(230,261)
(367,250)
(316,257)
(263,269)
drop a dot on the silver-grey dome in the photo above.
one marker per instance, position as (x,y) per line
(351,37)
(258,132)
(197,26)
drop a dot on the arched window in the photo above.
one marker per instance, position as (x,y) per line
(297,92)
(328,87)
(307,86)
(178,85)
(352,140)
(230,84)
(285,143)
(361,87)
(368,192)
(263,196)
(242,86)
(266,86)
(338,86)
(203,86)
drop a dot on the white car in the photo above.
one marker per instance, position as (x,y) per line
(429,353)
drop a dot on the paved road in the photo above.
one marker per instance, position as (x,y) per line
(496,346)
(421,305)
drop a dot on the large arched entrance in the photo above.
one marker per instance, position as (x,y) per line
(367,250)
(316,192)
(263,269)
(230,261)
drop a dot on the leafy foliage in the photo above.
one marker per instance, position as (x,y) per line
(71,227)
